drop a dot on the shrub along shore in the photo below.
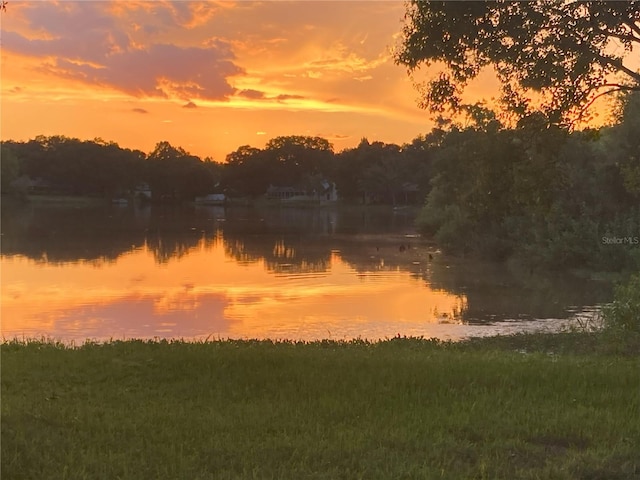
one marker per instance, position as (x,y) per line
(563,406)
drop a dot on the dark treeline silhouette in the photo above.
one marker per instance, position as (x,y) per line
(62,165)
(371,173)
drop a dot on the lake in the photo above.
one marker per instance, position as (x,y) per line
(120,272)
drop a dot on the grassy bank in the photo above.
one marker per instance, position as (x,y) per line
(525,407)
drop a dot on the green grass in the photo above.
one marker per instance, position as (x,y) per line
(403,408)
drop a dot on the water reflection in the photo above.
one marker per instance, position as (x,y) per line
(67,235)
(76,273)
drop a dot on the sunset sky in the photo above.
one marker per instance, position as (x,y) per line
(207,76)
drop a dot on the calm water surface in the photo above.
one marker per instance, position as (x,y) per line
(197,272)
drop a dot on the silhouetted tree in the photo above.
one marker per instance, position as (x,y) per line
(295,157)
(174,174)
(247,172)
(561,49)
(285,161)
(9,167)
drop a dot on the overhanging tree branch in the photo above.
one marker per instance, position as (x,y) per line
(613,87)
(621,36)
(557,48)
(634,26)
(617,63)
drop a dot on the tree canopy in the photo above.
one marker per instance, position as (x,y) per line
(569,52)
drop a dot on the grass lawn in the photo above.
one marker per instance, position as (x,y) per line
(526,407)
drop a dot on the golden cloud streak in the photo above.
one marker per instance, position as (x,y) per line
(294,104)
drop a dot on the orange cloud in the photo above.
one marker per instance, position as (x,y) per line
(85,45)
(84,68)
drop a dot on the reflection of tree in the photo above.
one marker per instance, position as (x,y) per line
(495,292)
(166,246)
(319,221)
(296,240)
(298,257)
(457,314)
(102,234)
(382,253)
(488,291)
(280,253)
(285,239)
(173,232)
(291,241)
(58,235)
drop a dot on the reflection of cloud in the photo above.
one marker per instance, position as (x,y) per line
(145,316)
(364,309)
(136,297)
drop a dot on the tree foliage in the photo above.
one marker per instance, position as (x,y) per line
(377,172)
(285,161)
(99,168)
(89,167)
(626,141)
(540,193)
(9,167)
(566,51)
(624,312)
(174,174)
(246,172)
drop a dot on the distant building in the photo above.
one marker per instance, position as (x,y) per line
(143,191)
(284,193)
(329,192)
(211,199)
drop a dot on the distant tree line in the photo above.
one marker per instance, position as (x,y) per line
(59,164)
(371,173)
(537,191)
